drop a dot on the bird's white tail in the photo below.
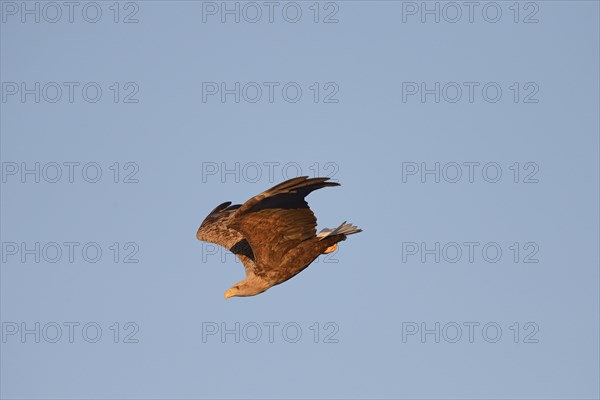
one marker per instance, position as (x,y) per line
(343,229)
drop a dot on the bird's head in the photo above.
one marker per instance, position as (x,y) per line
(233,291)
(250,286)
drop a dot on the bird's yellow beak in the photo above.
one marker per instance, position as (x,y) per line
(229,293)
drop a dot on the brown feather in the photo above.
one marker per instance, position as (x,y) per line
(273,233)
(276,221)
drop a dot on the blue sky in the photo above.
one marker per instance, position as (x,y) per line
(467,151)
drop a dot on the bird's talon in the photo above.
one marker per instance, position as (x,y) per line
(331,249)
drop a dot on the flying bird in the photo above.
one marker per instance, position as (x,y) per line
(273,234)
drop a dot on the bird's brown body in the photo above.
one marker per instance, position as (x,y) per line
(273,234)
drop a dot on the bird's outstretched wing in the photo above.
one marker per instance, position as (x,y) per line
(216,229)
(277,220)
